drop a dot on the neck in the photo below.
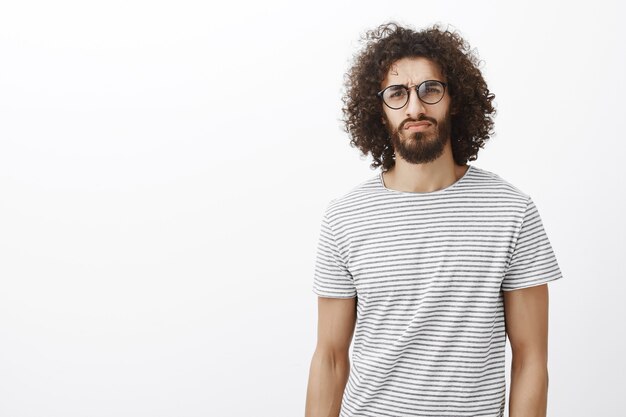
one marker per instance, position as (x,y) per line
(424,178)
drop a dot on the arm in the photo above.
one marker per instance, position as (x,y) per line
(526,318)
(330,366)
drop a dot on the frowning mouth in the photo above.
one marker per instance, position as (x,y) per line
(417,126)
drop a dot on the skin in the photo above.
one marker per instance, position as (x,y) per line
(424,160)
(428,166)
(330,366)
(526,321)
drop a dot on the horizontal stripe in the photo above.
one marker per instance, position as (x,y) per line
(428,271)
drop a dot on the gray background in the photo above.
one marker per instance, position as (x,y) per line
(164,167)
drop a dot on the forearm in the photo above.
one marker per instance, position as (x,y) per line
(328,376)
(529,389)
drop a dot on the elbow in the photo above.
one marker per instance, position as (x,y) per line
(335,357)
(533,364)
(529,356)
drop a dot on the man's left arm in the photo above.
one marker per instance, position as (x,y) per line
(526,317)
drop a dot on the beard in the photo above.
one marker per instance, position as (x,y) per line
(421,147)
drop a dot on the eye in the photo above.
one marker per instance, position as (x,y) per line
(432,88)
(396,92)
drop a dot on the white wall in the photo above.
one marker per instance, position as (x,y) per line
(160,201)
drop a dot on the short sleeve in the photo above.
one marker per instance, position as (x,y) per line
(331,277)
(533,261)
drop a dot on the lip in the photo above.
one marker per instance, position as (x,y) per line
(417,126)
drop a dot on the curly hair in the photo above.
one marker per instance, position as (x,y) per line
(471,110)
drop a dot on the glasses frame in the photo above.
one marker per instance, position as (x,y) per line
(408,93)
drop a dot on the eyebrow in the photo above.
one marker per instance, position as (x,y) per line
(407,85)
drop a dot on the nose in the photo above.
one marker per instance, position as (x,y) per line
(415,106)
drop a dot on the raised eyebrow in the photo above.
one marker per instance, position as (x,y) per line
(391,85)
(407,84)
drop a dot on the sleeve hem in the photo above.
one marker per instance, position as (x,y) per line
(533,284)
(333,295)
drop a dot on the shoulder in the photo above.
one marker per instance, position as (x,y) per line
(496,185)
(352,201)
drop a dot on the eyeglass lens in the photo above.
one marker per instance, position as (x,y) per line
(398,95)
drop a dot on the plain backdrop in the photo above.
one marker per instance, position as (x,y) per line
(164,167)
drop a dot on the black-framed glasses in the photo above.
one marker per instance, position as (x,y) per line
(429,91)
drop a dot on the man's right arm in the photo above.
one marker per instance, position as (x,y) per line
(330,366)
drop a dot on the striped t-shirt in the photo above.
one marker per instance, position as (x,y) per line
(428,270)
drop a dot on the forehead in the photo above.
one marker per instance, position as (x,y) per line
(411,71)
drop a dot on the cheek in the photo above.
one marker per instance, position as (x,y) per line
(390,120)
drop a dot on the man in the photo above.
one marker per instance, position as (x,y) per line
(433,260)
